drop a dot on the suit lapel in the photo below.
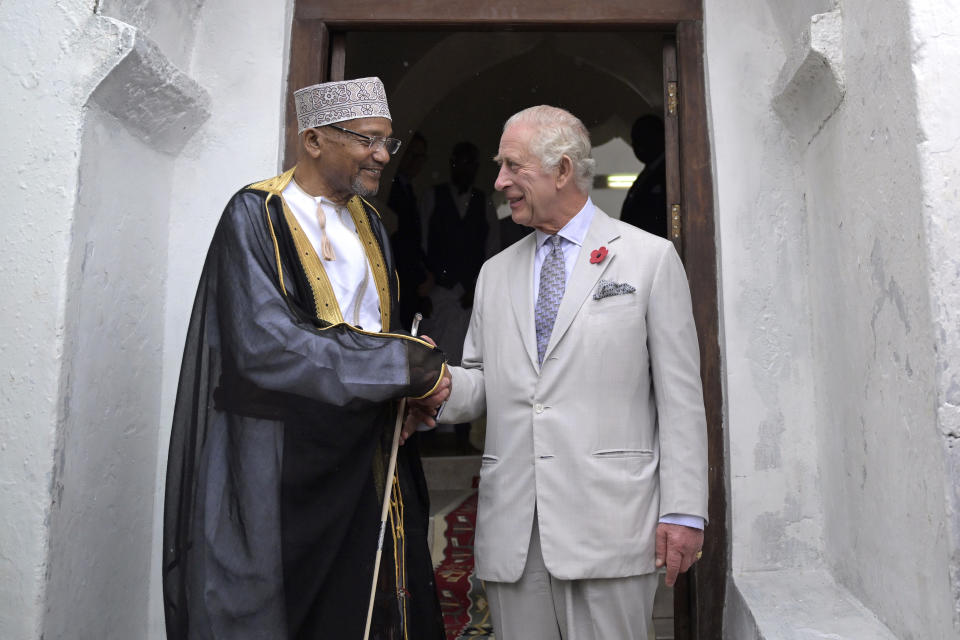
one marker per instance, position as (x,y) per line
(521,292)
(585,275)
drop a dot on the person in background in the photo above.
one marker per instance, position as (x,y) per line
(646,203)
(416,280)
(462,231)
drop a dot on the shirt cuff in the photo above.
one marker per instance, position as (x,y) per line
(423,426)
(694,522)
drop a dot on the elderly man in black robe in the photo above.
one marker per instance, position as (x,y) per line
(293,366)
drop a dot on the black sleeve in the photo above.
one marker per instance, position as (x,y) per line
(267,344)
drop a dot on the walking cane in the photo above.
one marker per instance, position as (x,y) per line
(388,492)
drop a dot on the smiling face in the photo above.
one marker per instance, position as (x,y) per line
(346,164)
(531,191)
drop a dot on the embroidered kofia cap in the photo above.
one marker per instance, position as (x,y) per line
(330,102)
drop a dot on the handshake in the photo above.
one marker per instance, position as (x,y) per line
(424,410)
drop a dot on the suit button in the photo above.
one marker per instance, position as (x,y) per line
(538,408)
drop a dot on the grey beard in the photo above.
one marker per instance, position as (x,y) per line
(363,191)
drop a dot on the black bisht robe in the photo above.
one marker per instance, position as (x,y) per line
(281,436)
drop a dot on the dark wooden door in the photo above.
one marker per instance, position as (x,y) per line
(318,53)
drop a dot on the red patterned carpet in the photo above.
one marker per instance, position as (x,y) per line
(462,600)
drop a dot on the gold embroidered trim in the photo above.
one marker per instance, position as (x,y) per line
(276,184)
(276,245)
(399,549)
(274,187)
(324,298)
(382,334)
(374,256)
(443,371)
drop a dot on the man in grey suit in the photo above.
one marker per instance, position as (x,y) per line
(582,352)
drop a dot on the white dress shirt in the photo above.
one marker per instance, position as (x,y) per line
(571,241)
(350,273)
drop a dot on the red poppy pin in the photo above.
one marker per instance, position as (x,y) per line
(597,255)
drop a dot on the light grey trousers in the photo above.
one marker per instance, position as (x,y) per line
(541,607)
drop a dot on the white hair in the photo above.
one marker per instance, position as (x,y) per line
(558,133)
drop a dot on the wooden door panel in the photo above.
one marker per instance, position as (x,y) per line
(429,14)
(671,132)
(309,63)
(338,56)
(700,259)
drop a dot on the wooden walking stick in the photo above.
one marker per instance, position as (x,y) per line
(388,493)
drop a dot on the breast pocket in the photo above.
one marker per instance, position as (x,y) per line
(614,318)
(613,333)
(624,304)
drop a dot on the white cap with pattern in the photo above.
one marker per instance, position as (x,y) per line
(330,102)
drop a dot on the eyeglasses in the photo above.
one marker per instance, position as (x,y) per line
(392,145)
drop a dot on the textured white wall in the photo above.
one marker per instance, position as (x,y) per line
(791,18)
(881,458)
(776,518)
(936,55)
(170,23)
(101,523)
(834,247)
(102,518)
(100,111)
(54,54)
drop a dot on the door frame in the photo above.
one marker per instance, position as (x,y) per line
(316,55)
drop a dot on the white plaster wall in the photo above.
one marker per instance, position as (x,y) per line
(775,510)
(936,55)
(102,517)
(841,403)
(84,279)
(53,55)
(240,59)
(881,458)
(101,523)
(792,17)
(169,23)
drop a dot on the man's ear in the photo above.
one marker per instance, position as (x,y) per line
(564,171)
(312,142)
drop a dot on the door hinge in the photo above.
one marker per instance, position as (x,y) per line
(675,222)
(672,99)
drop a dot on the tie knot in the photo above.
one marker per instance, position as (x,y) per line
(555,241)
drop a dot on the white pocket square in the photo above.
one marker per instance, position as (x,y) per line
(606,288)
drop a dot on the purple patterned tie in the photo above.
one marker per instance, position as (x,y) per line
(553,278)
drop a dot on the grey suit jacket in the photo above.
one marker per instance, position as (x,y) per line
(604,438)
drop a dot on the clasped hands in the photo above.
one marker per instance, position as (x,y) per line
(424,410)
